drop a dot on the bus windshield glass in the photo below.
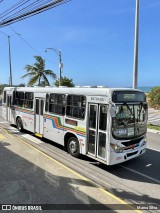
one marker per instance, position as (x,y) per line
(130,121)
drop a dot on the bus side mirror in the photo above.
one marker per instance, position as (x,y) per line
(117,109)
(113,112)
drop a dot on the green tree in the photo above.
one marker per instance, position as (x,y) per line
(21,85)
(37,72)
(65,82)
(154,97)
(1,89)
(43,84)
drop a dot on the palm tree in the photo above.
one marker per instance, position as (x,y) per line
(37,72)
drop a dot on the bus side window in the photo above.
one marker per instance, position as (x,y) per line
(37,106)
(76,105)
(28,102)
(42,106)
(19,99)
(14,98)
(56,104)
(8,101)
(103,118)
(47,103)
(4,97)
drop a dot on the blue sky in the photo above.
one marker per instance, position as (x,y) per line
(96,39)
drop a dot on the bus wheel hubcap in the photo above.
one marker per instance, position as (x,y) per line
(73,146)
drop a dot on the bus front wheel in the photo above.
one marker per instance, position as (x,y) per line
(73,147)
(19,124)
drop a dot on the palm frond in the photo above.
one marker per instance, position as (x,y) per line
(40,63)
(28,75)
(30,68)
(33,80)
(45,79)
(37,71)
(50,73)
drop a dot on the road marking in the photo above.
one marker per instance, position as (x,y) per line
(153,149)
(29,137)
(7,132)
(2,137)
(139,173)
(152,112)
(33,139)
(81,176)
(153,119)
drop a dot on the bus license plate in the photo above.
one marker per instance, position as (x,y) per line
(130,131)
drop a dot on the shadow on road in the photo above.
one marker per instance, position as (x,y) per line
(23,182)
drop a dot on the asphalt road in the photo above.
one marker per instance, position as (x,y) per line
(136,181)
(153,116)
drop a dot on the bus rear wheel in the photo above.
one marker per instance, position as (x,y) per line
(73,147)
(19,124)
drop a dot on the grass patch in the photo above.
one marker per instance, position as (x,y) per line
(151,126)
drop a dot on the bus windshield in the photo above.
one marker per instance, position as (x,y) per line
(130,121)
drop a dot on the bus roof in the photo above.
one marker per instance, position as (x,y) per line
(70,90)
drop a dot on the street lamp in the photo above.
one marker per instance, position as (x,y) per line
(60,62)
(9,48)
(135,66)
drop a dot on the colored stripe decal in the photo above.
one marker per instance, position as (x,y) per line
(24,110)
(56,123)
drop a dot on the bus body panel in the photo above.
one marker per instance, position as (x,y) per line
(95,137)
(53,128)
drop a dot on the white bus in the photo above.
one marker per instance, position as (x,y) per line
(106,124)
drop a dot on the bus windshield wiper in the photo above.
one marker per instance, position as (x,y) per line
(130,110)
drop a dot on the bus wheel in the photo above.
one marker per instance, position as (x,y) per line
(73,147)
(19,124)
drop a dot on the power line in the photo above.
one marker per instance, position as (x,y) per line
(14,7)
(34,49)
(32,9)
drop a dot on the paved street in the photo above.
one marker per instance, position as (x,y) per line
(34,176)
(37,171)
(153,116)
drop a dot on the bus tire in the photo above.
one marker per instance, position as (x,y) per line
(73,147)
(19,125)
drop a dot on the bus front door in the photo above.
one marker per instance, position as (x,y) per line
(97,131)
(8,111)
(39,121)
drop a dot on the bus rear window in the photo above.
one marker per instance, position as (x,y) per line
(128,96)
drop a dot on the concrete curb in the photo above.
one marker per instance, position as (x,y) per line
(153,131)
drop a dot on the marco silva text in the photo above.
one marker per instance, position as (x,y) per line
(147,207)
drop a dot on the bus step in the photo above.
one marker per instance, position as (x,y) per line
(38,135)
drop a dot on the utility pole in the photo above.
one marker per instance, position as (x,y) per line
(9,48)
(10,65)
(135,66)
(60,68)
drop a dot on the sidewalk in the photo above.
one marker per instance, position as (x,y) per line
(153,116)
(153,131)
(31,177)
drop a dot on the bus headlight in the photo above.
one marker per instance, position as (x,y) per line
(116,148)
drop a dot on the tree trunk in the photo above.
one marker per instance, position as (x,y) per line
(39,81)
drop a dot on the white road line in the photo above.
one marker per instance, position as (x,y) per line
(139,173)
(33,139)
(29,137)
(153,149)
(153,119)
